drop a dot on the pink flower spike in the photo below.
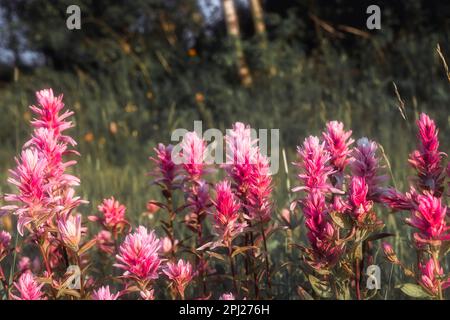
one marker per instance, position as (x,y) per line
(165,171)
(429,276)
(180,274)
(104,293)
(193,152)
(427,159)
(139,255)
(365,164)
(29,288)
(337,143)
(358,198)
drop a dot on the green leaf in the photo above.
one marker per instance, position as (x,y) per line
(321,288)
(379,236)
(413,290)
(241,250)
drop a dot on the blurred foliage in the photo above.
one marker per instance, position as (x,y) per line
(139,69)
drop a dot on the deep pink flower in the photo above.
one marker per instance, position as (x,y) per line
(321,234)
(337,143)
(226,214)
(227,296)
(139,255)
(193,150)
(165,170)
(103,293)
(365,164)
(427,159)
(429,219)
(29,288)
(70,230)
(113,213)
(314,166)
(358,194)
(429,275)
(399,201)
(180,274)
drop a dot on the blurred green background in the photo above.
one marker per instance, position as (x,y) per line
(139,69)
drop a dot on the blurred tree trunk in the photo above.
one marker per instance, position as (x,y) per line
(258,20)
(232,23)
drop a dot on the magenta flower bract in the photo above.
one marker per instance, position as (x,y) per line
(104,293)
(139,255)
(314,166)
(29,288)
(226,214)
(358,193)
(337,143)
(365,164)
(166,170)
(427,159)
(429,219)
(259,202)
(180,274)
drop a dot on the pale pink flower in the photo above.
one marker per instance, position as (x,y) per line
(151,207)
(226,213)
(165,171)
(337,143)
(168,246)
(427,159)
(193,149)
(227,296)
(29,288)
(180,274)
(103,293)
(365,164)
(429,219)
(70,230)
(113,213)
(24,264)
(285,214)
(240,154)
(105,242)
(139,255)
(147,294)
(358,194)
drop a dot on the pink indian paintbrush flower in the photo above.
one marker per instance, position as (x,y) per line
(240,155)
(180,274)
(139,255)
(365,163)
(427,159)
(429,276)
(227,296)
(390,253)
(259,204)
(358,194)
(105,242)
(193,152)
(28,288)
(166,170)
(104,293)
(113,213)
(70,230)
(337,143)
(45,189)
(314,166)
(321,234)
(226,213)
(400,201)
(430,219)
